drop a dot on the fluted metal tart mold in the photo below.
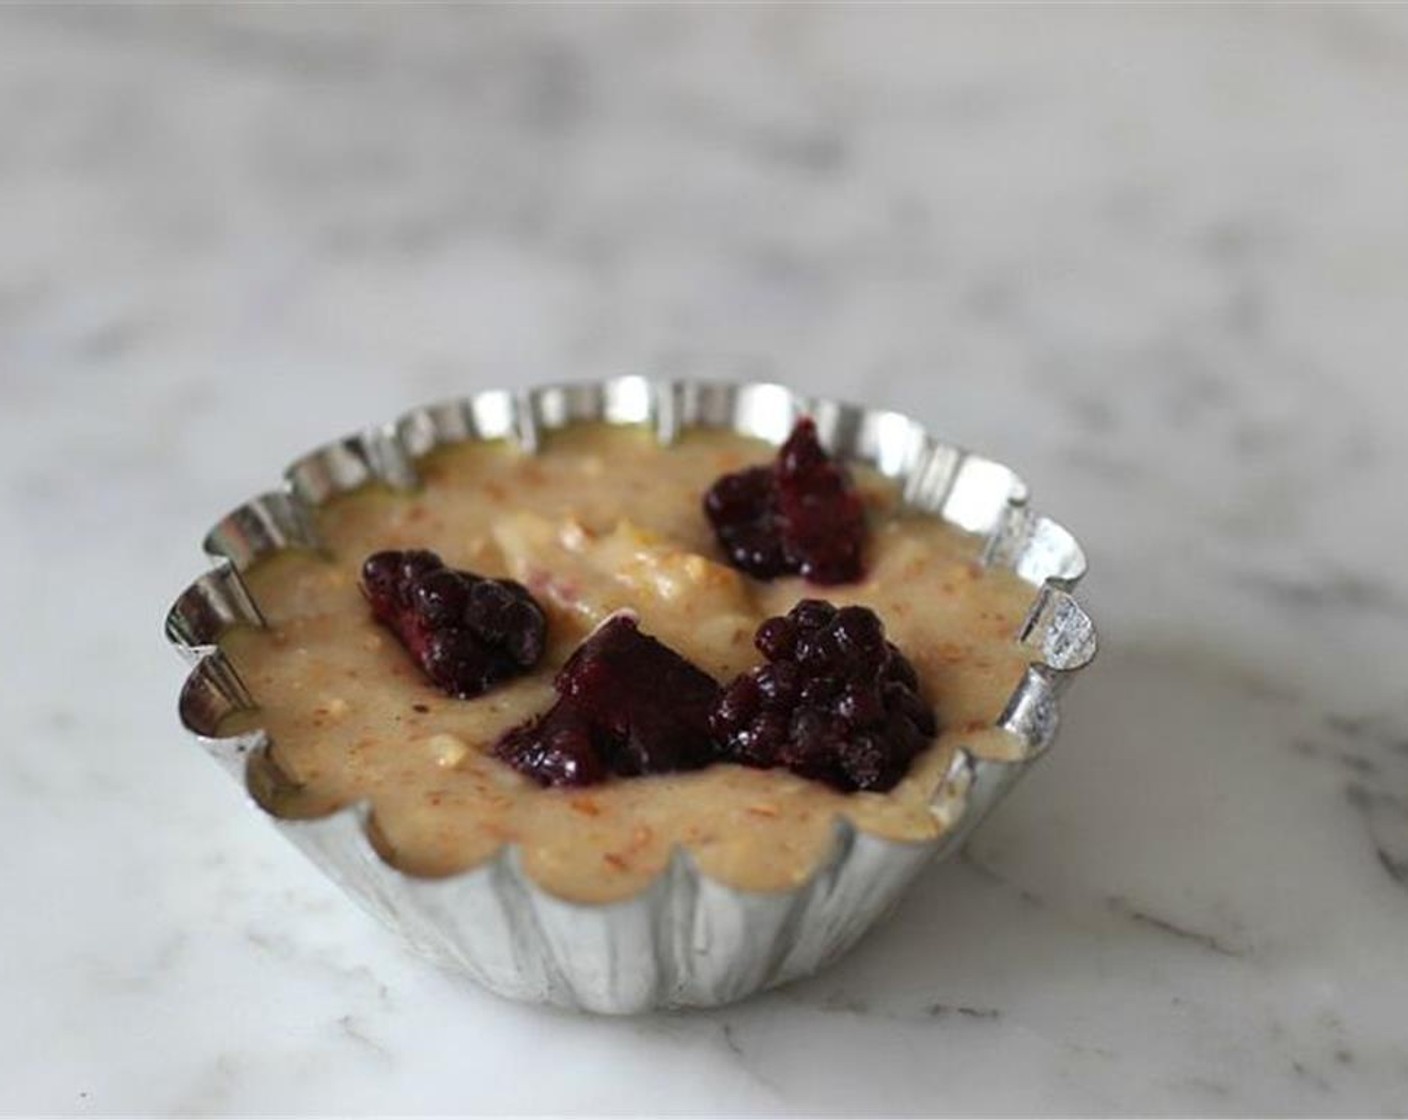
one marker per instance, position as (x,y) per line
(686,940)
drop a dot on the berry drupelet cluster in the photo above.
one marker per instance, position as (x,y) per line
(835,701)
(466,632)
(798,515)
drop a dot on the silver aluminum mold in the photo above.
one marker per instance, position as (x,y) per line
(686,940)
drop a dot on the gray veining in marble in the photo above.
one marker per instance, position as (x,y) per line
(1154,258)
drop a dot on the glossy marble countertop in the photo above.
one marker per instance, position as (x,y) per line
(1155,259)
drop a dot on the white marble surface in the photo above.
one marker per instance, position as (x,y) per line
(1156,259)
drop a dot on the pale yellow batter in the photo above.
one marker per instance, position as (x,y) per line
(601,518)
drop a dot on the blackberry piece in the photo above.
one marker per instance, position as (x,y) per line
(557,749)
(798,515)
(835,701)
(742,508)
(467,632)
(627,705)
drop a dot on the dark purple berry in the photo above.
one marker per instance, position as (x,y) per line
(413,564)
(741,704)
(555,750)
(439,597)
(632,703)
(381,576)
(490,608)
(811,614)
(798,515)
(860,703)
(525,641)
(742,507)
(464,649)
(778,682)
(835,701)
(776,638)
(858,630)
